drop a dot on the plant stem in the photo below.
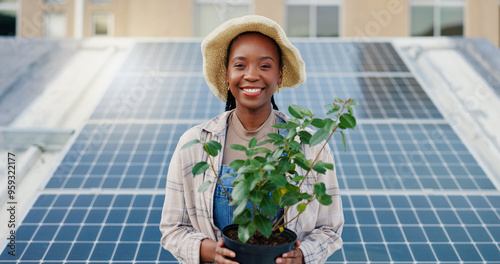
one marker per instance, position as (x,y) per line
(219,181)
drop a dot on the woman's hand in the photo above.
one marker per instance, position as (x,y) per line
(221,253)
(292,257)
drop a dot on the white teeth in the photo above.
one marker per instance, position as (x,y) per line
(251,90)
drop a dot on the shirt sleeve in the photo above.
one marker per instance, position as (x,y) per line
(325,238)
(179,236)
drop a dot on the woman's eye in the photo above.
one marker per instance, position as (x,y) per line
(266,66)
(239,65)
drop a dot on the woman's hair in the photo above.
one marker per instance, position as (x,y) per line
(231,102)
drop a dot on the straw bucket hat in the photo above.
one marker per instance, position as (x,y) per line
(214,49)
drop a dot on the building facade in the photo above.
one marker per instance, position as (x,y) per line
(300,18)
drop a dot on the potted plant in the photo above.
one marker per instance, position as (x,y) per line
(270,179)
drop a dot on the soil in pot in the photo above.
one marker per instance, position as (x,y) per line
(259,239)
(251,253)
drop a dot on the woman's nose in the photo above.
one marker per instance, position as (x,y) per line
(252,74)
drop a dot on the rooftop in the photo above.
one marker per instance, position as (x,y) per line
(93,124)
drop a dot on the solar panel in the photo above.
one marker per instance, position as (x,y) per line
(379,156)
(151,96)
(411,189)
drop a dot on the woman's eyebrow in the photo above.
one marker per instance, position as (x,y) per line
(244,58)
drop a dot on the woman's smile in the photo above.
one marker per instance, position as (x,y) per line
(252,91)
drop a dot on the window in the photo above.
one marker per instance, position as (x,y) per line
(8,17)
(212,13)
(317,18)
(437,17)
(7,23)
(55,25)
(102,24)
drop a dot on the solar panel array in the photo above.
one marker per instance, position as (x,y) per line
(412,190)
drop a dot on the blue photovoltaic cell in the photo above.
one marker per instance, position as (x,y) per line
(402,97)
(401,143)
(332,57)
(406,166)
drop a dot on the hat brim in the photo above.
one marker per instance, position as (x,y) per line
(214,49)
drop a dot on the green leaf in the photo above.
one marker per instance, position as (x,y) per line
(325,164)
(275,136)
(268,187)
(294,145)
(252,143)
(298,178)
(200,168)
(277,196)
(255,163)
(277,153)
(291,134)
(279,125)
(263,224)
(325,199)
(295,111)
(306,112)
(351,102)
(268,207)
(301,207)
(244,217)
(238,147)
(288,199)
(268,167)
(304,196)
(205,186)
(237,164)
(306,123)
(191,143)
(262,143)
(278,179)
(262,150)
(228,175)
(348,121)
(318,137)
(343,140)
(338,100)
(301,163)
(256,197)
(319,169)
(317,122)
(283,165)
(245,231)
(240,190)
(319,188)
(212,148)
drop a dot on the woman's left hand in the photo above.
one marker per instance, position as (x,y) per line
(292,257)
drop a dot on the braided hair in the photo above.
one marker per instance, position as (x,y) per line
(231,101)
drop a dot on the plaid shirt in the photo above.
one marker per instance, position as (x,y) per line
(187,216)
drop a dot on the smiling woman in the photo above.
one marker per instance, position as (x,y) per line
(245,61)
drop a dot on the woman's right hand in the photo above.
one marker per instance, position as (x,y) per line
(221,253)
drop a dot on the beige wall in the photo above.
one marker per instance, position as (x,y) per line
(160,18)
(274,10)
(370,18)
(32,12)
(482,20)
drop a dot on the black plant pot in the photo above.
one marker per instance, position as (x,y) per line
(261,254)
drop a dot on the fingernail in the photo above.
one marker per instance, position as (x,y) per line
(285,255)
(278,261)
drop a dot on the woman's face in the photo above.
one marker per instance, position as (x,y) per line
(253,71)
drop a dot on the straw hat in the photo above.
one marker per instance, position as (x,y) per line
(214,50)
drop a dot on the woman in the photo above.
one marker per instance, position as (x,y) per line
(246,60)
